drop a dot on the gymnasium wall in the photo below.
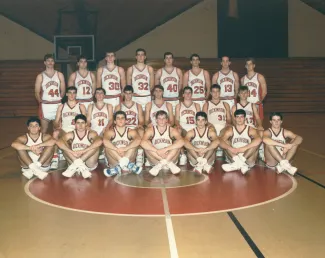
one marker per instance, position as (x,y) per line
(19,43)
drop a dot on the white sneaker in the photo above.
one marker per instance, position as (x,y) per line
(287,166)
(54,164)
(27,172)
(71,170)
(101,156)
(207,168)
(84,172)
(219,152)
(147,163)
(156,169)
(244,169)
(139,160)
(123,162)
(279,169)
(237,164)
(198,169)
(37,171)
(173,168)
(182,160)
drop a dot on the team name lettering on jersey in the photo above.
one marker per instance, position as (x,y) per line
(81,82)
(66,114)
(158,141)
(226,79)
(242,140)
(200,143)
(100,114)
(79,146)
(196,81)
(140,76)
(170,79)
(111,76)
(251,84)
(50,83)
(121,143)
(215,110)
(188,112)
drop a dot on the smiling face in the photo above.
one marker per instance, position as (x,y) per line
(34,128)
(215,93)
(243,95)
(120,120)
(158,93)
(276,122)
(162,120)
(99,95)
(128,95)
(187,95)
(71,94)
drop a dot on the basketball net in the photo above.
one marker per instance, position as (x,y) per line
(233,9)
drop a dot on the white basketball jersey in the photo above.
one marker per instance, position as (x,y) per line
(51,88)
(187,116)
(278,138)
(170,83)
(197,83)
(141,81)
(201,141)
(227,84)
(99,118)
(68,115)
(254,88)
(155,109)
(217,114)
(31,142)
(121,140)
(240,139)
(249,120)
(132,115)
(80,143)
(84,86)
(111,81)
(161,140)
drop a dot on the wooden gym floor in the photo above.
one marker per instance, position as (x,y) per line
(221,215)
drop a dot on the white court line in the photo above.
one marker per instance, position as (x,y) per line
(169,224)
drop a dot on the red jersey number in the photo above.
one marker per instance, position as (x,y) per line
(190,120)
(143,86)
(53,93)
(198,89)
(228,88)
(86,90)
(131,121)
(114,86)
(172,88)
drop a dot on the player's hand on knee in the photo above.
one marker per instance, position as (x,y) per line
(162,153)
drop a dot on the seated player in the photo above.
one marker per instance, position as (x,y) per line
(278,151)
(158,104)
(162,145)
(121,144)
(82,153)
(243,142)
(185,117)
(35,150)
(134,117)
(201,144)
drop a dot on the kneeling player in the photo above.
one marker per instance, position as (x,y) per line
(162,145)
(83,153)
(121,144)
(279,153)
(243,142)
(35,150)
(201,144)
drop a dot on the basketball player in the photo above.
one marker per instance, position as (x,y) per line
(201,144)
(185,118)
(256,85)
(162,145)
(243,142)
(100,114)
(35,150)
(112,79)
(199,80)
(228,81)
(49,90)
(158,104)
(252,116)
(171,78)
(84,81)
(82,154)
(141,77)
(121,144)
(279,152)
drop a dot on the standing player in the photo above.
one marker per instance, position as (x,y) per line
(252,116)
(112,79)
(35,150)
(201,143)
(228,81)
(199,80)
(49,90)
(121,144)
(158,104)
(243,142)
(171,78)
(82,154)
(84,81)
(256,85)
(278,151)
(141,77)
(162,145)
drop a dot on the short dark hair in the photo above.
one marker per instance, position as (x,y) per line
(215,86)
(140,50)
(71,88)
(107,52)
(48,56)
(250,59)
(158,87)
(81,57)
(201,113)
(187,88)
(120,112)
(80,116)
(33,119)
(240,112)
(160,113)
(168,54)
(100,89)
(243,88)
(128,88)
(194,55)
(225,56)
(276,114)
